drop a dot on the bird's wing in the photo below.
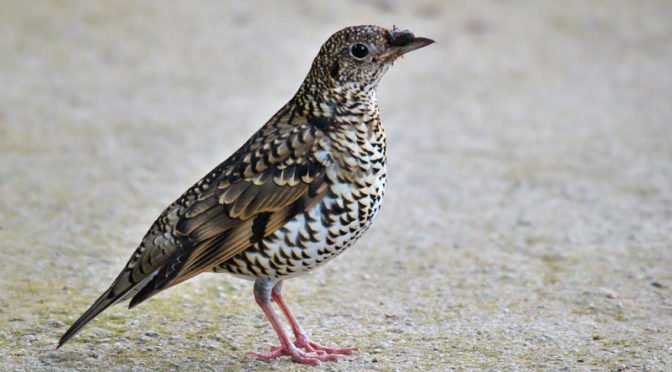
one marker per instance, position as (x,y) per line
(269,180)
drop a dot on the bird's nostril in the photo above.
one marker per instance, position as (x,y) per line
(399,37)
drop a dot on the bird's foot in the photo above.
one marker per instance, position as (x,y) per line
(314,354)
(302,341)
(309,357)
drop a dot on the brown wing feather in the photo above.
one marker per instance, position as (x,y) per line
(260,188)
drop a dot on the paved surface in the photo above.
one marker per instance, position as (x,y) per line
(528,216)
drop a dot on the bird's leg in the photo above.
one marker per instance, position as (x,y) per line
(262,294)
(302,339)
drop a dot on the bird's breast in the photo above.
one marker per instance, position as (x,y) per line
(356,176)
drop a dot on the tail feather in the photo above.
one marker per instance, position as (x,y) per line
(102,303)
(121,290)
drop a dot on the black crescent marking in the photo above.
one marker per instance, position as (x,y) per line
(259,227)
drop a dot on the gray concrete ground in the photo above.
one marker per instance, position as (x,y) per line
(528,216)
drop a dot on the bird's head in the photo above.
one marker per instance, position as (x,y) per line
(355,58)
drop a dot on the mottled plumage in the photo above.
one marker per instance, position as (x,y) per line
(296,194)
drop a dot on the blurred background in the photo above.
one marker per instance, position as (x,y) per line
(528,214)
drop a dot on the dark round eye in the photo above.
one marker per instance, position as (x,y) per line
(358,50)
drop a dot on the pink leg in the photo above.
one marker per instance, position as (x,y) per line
(302,339)
(286,346)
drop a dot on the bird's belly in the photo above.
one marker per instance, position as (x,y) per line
(311,239)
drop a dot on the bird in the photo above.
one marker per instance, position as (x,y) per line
(300,191)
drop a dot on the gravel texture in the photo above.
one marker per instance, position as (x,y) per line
(528,216)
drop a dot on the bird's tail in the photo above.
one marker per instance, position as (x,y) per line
(102,303)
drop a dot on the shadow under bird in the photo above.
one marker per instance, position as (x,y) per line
(299,192)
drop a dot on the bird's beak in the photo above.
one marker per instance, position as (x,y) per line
(401,42)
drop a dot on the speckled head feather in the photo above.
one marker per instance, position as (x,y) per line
(355,58)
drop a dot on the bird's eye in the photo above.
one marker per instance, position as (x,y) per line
(358,50)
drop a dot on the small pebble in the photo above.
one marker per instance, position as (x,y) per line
(55,323)
(657,284)
(150,334)
(28,338)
